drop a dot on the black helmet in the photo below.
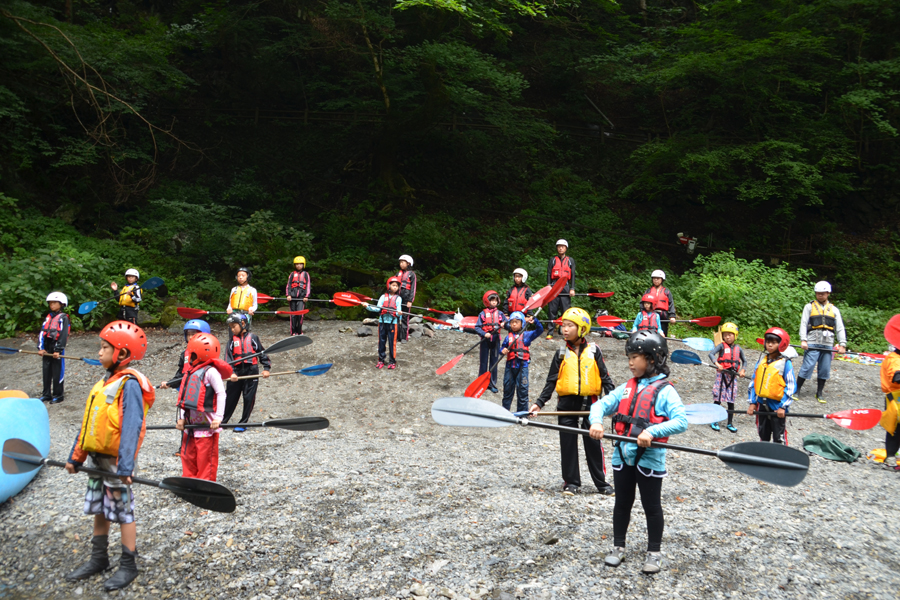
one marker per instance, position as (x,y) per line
(649,343)
(245,270)
(239,318)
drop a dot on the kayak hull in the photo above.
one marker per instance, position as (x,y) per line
(25,419)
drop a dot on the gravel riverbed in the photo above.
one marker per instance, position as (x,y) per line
(387,504)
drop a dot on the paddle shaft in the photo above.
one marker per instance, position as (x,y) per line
(733,372)
(786,415)
(89,471)
(50,355)
(270,375)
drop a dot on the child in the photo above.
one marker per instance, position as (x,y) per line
(297,292)
(637,465)
(515,348)
(110,437)
(664,303)
(201,401)
(243,296)
(729,361)
(890,385)
(519,294)
(389,305)
(243,343)
(820,323)
(772,388)
(52,346)
(647,319)
(130,296)
(558,267)
(488,325)
(191,328)
(579,376)
(407,294)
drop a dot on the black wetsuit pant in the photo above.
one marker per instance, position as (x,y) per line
(128,313)
(770,427)
(891,442)
(627,479)
(387,343)
(568,444)
(297,320)
(54,372)
(557,306)
(234,389)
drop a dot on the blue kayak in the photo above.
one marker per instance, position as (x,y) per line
(25,419)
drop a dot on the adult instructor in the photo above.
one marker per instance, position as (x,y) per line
(820,323)
(560,266)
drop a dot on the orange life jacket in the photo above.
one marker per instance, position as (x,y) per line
(104,412)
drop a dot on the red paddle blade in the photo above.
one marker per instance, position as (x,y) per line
(346,299)
(433,320)
(555,290)
(892,331)
(707,321)
(857,418)
(263,298)
(601,294)
(477,387)
(448,365)
(536,298)
(359,297)
(468,322)
(294,313)
(609,320)
(191,313)
(441,312)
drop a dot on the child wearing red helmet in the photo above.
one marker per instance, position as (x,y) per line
(647,319)
(389,306)
(490,321)
(110,437)
(201,403)
(772,388)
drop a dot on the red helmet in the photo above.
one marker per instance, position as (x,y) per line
(782,335)
(124,335)
(393,279)
(486,299)
(205,346)
(648,297)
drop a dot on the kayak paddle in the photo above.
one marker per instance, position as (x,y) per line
(196,313)
(762,341)
(452,362)
(697,414)
(598,294)
(91,361)
(350,299)
(772,463)
(858,419)
(21,457)
(263,298)
(697,343)
(701,321)
(482,382)
(150,284)
(308,371)
(543,296)
(291,424)
(685,357)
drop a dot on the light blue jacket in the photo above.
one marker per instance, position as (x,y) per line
(668,404)
(388,317)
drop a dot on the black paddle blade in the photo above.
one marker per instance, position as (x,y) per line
(766,461)
(470,412)
(298,423)
(20,457)
(200,492)
(291,343)
(152,283)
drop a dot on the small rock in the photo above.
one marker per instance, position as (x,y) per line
(364,332)
(417,589)
(447,593)
(551,539)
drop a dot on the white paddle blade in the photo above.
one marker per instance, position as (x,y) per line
(470,412)
(701,344)
(704,414)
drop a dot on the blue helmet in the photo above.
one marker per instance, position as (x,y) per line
(197,325)
(518,315)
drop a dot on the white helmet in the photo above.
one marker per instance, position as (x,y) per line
(823,286)
(658,273)
(407,258)
(58,297)
(132,272)
(523,273)
(562,243)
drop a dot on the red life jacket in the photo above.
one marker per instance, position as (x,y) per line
(637,411)
(52,327)
(516,299)
(560,269)
(297,284)
(187,362)
(648,323)
(490,320)
(242,345)
(517,347)
(729,356)
(195,395)
(390,303)
(405,280)
(662,300)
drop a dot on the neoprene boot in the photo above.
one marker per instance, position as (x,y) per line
(127,571)
(99,560)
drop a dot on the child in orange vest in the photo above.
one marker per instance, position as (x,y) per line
(130,296)
(772,388)
(729,360)
(243,298)
(890,385)
(201,402)
(490,321)
(109,440)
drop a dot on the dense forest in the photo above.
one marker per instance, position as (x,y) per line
(186,138)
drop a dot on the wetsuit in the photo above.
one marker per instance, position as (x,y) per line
(298,288)
(243,345)
(53,337)
(556,268)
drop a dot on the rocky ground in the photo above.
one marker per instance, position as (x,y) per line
(385,503)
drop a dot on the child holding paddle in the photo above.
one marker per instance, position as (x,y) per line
(646,407)
(51,346)
(578,375)
(407,279)
(890,385)
(389,305)
(490,321)
(772,388)
(519,294)
(110,437)
(297,292)
(130,296)
(729,360)
(647,319)
(201,402)
(515,348)
(664,303)
(243,297)
(243,343)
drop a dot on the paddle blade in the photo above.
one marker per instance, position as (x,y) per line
(263,298)
(20,457)
(191,313)
(892,331)
(200,492)
(152,283)
(698,343)
(294,313)
(477,387)
(470,412)
(536,298)
(543,296)
(4,350)
(298,423)
(468,322)
(601,294)
(858,419)
(704,414)
(346,299)
(441,312)
(707,321)
(315,370)
(86,307)
(291,343)
(92,361)
(359,297)
(433,320)
(13,394)
(685,357)
(772,463)
(609,320)
(448,365)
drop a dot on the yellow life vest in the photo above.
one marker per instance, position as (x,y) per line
(101,425)
(822,317)
(125,298)
(769,383)
(580,376)
(242,298)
